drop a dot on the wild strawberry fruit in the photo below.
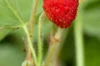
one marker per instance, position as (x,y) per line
(61,12)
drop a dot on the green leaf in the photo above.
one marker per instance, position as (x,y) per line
(23,9)
(3,33)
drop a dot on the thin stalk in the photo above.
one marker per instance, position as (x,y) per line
(31,24)
(31,27)
(78,28)
(55,42)
(32,19)
(40,50)
(30,44)
(12,27)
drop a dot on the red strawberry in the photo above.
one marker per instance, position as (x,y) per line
(61,12)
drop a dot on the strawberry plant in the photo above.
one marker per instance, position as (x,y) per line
(49,32)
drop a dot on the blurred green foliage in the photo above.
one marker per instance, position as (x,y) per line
(12,43)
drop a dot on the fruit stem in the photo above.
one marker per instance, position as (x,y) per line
(56,55)
(78,28)
(40,50)
(54,45)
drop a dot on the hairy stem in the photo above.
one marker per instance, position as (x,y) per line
(31,24)
(31,27)
(30,44)
(32,19)
(54,45)
(57,52)
(40,52)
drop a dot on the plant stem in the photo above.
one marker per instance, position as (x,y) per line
(56,55)
(79,40)
(40,52)
(31,25)
(32,19)
(54,45)
(12,27)
(30,44)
